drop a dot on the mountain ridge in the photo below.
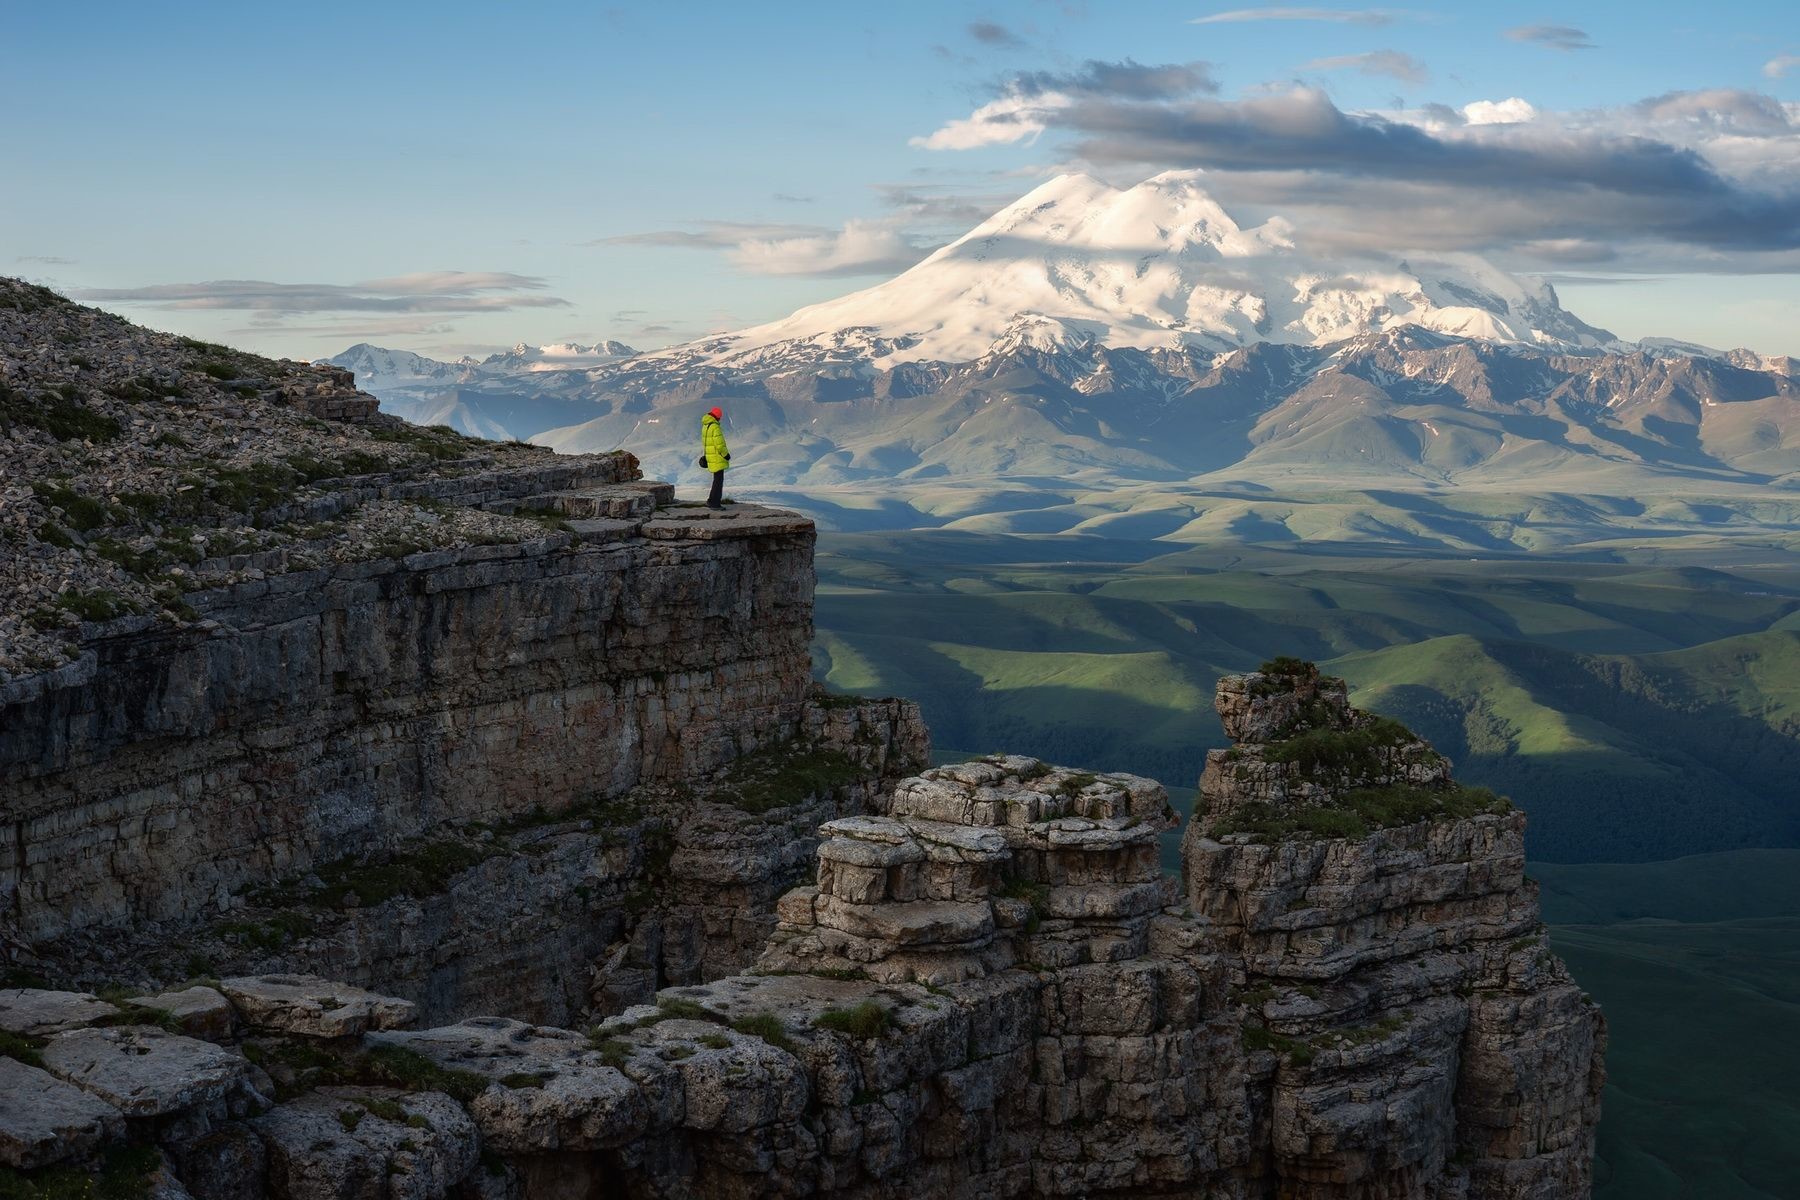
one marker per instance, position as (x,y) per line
(1141,334)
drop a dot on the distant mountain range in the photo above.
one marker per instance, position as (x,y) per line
(1100,334)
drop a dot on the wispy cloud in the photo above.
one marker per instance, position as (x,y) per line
(422,292)
(1020,113)
(764,248)
(1127,78)
(940,205)
(1779,66)
(710,235)
(1554,37)
(859,248)
(1400,66)
(1354,16)
(791,198)
(45,260)
(990,33)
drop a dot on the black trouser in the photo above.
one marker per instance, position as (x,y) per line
(718,490)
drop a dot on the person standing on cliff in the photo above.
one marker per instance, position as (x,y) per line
(714,456)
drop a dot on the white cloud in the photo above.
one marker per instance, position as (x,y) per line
(1780,65)
(1011,118)
(1403,67)
(859,248)
(1510,111)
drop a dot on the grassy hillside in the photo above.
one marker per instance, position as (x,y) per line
(1638,711)
(1696,963)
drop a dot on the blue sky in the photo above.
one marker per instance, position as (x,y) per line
(455,177)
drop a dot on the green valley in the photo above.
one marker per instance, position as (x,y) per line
(1636,710)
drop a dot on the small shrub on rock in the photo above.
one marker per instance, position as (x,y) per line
(866,1020)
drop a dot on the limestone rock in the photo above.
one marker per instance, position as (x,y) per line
(313,1007)
(44,1120)
(340,1143)
(144,1072)
(553,1090)
(36,1012)
(202,1012)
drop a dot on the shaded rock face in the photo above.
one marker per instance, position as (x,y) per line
(1427,1042)
(987,992)
(324,713)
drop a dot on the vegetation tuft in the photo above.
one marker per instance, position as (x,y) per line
(864,1021)
(62,417)
(786,774)
(1361,811)
(768,1027)
(123,1173)
(1341,751)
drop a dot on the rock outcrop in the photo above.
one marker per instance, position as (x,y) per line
(989,991)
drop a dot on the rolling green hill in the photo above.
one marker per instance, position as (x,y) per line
(1637,711)
(1696,963)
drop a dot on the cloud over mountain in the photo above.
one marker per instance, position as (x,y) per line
(1704,180)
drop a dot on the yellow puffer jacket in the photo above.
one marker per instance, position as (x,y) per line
(712,440)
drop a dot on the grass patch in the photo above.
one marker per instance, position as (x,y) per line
(438,442)
(21,1046)
(84,514)
(1358,813)
(19,977)
(1259,1037)
(62,417)
(768,1027)
(411,1071)
(1341,751)
(678,1009)
(425,871)
(270,933)
(866,1020)
(613,1052)
(784,775)
(124,1173)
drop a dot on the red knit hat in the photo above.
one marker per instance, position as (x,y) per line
(715,412)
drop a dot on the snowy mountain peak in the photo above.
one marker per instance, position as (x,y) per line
(1160,264)
(562,356)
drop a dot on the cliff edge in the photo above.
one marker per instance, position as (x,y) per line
(394,814)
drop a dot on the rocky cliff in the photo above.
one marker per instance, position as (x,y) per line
(987,990)
(467,826)
(286,684)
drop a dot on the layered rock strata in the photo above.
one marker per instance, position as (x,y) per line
(1425,1039)
(988,992)
(319,714)
(549,916)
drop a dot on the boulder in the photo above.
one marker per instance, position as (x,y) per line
(378,1143)
(554,1090)
(143,1071)
(313,1007)
(44,1120)
(36,1012)
(201,1012)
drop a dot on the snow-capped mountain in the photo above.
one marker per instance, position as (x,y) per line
(565,356)
(379,369)
(1156,266)
(1105,335)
